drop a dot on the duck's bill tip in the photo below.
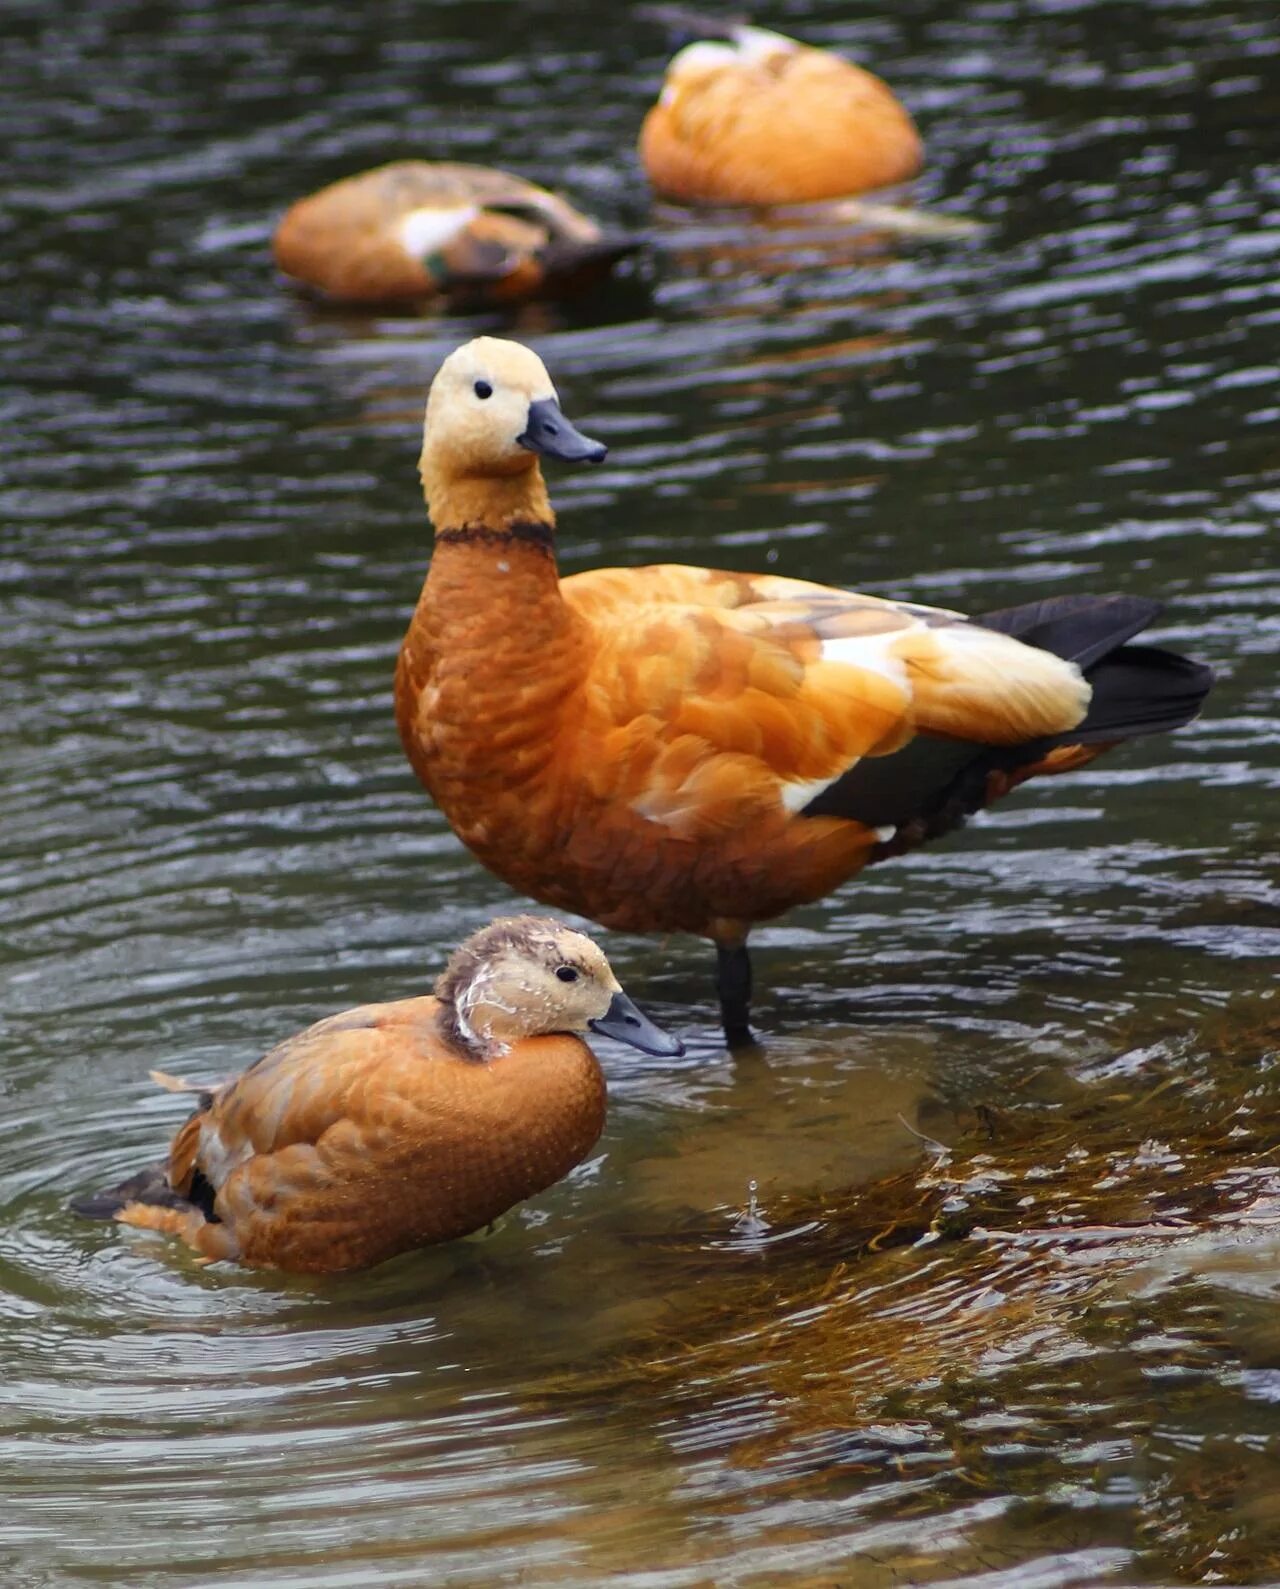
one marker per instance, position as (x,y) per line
(548,433)
(626,1024)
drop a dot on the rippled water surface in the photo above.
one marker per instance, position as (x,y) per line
(1006,1311)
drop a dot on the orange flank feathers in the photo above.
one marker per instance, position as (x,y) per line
(672,747)
(394,1126)
(415,231)
(752,117)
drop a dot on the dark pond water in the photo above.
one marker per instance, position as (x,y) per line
(1050,1356)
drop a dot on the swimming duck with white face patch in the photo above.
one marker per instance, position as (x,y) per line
(394,1126)
(674,748)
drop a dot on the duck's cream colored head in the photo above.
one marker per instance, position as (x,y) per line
(528,976)
(491,413)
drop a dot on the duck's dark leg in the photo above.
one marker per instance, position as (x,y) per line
(733,981)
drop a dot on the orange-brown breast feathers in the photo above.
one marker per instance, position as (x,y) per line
(794,126)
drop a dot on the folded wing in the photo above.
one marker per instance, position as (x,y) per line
(712,689)
(309,1104)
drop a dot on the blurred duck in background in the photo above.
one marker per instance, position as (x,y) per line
(414,231)
(746,116)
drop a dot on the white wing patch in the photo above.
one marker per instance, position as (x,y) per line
(758,44)
(215,1159)
(796,796)
(705,56)
(971,682)
(1049,693)
(423,232)
(749,46)
(873,652)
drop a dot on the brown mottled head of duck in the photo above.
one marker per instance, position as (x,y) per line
(529,976)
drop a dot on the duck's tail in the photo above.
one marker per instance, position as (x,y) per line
(933,784)
(152,1188)
(1136,689)
(147,1202)
(568,261)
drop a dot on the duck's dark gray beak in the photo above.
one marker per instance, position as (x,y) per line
(548,432)
(625,1023)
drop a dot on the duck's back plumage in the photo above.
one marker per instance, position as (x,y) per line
(861,673)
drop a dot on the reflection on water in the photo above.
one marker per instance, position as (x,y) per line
(1059,1368)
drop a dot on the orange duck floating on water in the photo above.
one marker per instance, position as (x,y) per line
(746,116)
(415,231)
(394,1126)
(672,748)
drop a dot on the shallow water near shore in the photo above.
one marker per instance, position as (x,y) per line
(1004,1307)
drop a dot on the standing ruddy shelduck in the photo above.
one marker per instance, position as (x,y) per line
(681,748)
(752,117)
(414,231)
(393,1126)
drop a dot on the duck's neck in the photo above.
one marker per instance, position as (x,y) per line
(460,1036)
(493,588)
(493,585)
(485,502)
(480,1027)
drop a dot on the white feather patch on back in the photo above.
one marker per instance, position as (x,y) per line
(749,46)
(1044,687)
(757,44)
(695,59)
(965,672)
(871,651)
(215,1159)
(423,232)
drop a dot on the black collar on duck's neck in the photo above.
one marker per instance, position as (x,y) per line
(528,532)
(459,500)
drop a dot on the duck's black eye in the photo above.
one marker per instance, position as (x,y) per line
(483,389)
(566,973)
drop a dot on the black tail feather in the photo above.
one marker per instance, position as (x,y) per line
(1081,629)
(147,1186)
(566,256)
(1140,690)
(933,783)
(1136,689)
